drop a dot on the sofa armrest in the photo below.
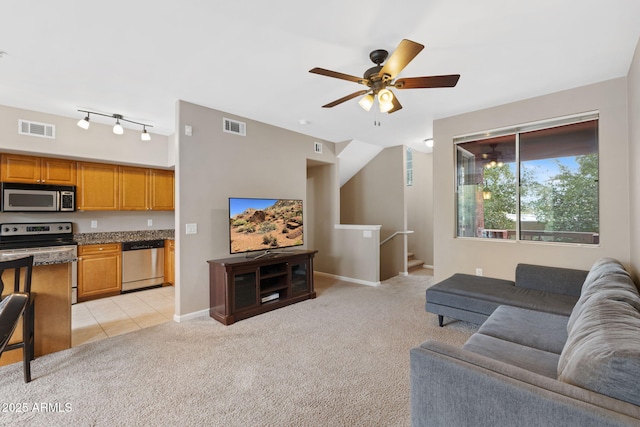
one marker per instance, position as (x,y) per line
(451,386)
(557,280)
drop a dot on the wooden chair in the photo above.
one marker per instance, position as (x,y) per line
(22,270)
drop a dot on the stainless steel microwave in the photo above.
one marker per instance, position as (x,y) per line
(38,197)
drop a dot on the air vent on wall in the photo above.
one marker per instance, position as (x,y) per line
(43,130)
(234,126)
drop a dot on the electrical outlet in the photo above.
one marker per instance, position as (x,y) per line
(150,222)
(94,223)
(478,272)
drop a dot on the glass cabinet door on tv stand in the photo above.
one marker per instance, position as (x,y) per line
(244,292)
(244,287)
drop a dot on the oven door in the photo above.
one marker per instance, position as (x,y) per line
(21,200)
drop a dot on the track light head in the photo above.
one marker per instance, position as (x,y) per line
(117,128)
(84,123)
(145,136)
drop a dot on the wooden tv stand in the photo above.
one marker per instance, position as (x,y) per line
(244,287)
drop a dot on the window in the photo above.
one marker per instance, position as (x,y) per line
(409,166)
(535,183)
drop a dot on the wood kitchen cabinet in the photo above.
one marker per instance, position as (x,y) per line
(97,187)
(170,261)
(37,170)
(99,271)
(146,189)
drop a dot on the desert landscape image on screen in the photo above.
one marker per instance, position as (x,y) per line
(264,224)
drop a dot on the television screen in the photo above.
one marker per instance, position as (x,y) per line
(264,224)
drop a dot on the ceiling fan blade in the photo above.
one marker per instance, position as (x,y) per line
(427,82)
(404,53)
(337,75)
(396,105)
(345,98)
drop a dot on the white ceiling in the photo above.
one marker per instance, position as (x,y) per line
(251,58)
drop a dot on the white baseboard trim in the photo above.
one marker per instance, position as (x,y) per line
(403,273)
(427,266)
(347,279)
(189,316)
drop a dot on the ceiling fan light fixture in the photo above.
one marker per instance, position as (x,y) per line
(366,101)
(84,123)
(385,96)
(385,99)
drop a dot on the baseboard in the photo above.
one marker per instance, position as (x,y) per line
(347,279)
(430,267)
(189,316)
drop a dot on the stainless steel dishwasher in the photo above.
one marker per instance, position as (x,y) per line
(142,264)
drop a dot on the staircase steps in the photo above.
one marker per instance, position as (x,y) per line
(413,263)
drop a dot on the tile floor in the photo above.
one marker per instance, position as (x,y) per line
(107,317)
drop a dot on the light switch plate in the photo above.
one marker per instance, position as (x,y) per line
(94,223)
(191,229)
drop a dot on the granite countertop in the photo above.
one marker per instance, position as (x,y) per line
(49,258)
(122,236)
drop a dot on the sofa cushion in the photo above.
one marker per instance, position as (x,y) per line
(534,360)
(484,295)
(536,329)
(602,353)
(563,281)
(602,268)
(615,284)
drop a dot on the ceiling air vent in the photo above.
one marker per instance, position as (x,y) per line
(43,130)
(234,126)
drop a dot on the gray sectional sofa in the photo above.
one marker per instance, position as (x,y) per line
(474,298)
(531,367)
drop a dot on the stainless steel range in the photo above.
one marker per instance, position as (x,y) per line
(48,242)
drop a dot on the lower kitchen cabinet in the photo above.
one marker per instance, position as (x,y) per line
(170,262)
(99,271)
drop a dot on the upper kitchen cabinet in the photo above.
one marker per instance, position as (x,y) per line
(162,190)
(97,187)
(146,189)
(37,170)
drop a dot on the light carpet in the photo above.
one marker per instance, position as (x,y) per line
(341,359)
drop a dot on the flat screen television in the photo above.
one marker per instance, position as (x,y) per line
(264,224)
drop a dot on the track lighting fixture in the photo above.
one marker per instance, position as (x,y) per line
(117,128)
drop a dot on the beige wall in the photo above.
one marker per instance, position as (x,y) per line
(212,166)
(499,258)
(419,208)
(322,213)
(375,195)
(633,82)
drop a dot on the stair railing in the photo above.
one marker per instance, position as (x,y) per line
(394,235)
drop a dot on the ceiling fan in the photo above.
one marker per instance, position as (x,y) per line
(380,78)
